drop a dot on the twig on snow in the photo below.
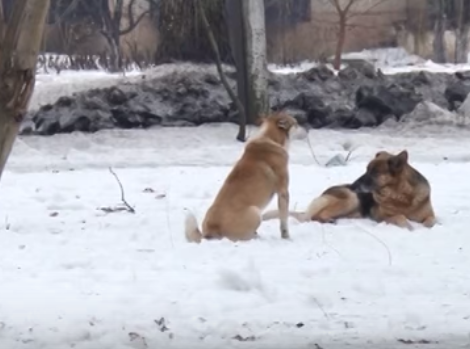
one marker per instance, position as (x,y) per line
(390,259)
(311,150)
(126,206)
(349,155)
(315,300)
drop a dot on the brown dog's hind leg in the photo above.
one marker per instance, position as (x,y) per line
(242,225)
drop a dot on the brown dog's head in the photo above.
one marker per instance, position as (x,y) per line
(281,127)
(384,170)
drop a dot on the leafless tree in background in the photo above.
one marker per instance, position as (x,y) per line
(346,10)
(247,31)
(110,19)
(72,23)
(21,32)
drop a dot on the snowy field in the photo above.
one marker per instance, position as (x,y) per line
(74,276)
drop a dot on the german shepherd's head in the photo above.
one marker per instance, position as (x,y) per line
(385,170)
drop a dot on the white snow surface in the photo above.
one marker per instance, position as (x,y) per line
(76,277)
(392,60)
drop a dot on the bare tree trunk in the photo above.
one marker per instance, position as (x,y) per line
(20,37)
(234,18)
(115,54)
(461,35)
(461,44)
(218,61)
(420,34)
(256,61)
(439,31)
(340,41)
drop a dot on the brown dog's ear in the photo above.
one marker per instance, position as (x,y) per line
(259,120)
(398,162)
(283,124)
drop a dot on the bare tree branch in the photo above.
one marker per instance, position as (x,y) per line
(126,207)
(218,61)
(348,6)
(70,8)
(366,11)
(336,4)
(132,23)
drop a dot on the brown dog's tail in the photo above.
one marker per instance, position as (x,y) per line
(315,207)
(192,232)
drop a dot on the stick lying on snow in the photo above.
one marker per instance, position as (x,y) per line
(126,206)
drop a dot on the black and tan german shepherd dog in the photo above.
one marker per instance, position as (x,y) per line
(390,191)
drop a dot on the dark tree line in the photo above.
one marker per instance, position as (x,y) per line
(101,18)
(181,33)
(450,15)
(439,16)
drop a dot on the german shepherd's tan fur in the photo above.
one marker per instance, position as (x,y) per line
(390,191)
(260,173)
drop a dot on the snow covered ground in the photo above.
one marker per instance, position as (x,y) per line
(389,60)
(74,276)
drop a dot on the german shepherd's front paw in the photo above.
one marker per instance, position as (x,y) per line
(400,221)
(430,222)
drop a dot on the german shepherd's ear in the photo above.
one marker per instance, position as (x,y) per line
(398,162)
(380,153)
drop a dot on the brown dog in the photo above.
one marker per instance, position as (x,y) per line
(390,191)
(261,172)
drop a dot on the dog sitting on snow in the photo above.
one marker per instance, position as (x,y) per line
(260,173)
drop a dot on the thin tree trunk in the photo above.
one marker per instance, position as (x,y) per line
(461,35)
(439,31)
(114,55)
(256,61)
(234,18)
(461,44)
(340,41)
(218,61)
(21,38)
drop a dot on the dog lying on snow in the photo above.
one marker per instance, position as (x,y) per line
(390,191)
(261,172)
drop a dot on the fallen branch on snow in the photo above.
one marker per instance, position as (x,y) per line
(126,206)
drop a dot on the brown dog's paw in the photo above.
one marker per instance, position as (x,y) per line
(285,234)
